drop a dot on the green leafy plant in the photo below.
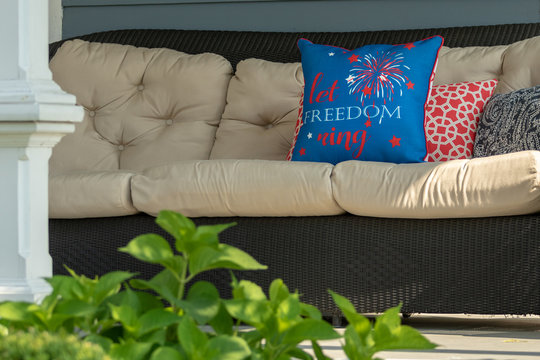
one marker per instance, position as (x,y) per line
(363,340)
(42,345)
(163,318)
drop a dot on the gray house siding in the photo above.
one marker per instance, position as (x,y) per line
(87,16)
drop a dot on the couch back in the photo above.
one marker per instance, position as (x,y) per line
(281,47)
(144,107)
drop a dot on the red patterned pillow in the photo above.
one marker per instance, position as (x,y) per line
(298,124)
(452,114)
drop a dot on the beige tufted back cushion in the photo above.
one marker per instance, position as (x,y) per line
(148,107)
(516,66)
(144,107)
(263,97)
(261,112)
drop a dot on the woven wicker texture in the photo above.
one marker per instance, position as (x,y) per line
(485,266)
(281,47)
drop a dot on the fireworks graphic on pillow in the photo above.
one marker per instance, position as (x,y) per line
(380,75)
(365,104)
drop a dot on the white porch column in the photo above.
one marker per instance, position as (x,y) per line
(34,114)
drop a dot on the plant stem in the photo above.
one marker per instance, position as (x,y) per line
(183,279)
(235,333)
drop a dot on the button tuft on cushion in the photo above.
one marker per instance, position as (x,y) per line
(106,78)
(92,113)
(169,122)
(120,147)
(269,126)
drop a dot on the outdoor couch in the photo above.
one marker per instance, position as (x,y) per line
(208,136)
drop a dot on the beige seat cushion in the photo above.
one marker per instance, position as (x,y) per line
(236,188)
(144,107)
(493,186)
(90,194)
(261,111)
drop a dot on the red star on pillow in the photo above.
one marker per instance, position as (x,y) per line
(410,85)
(366,91)
(395,141)
(368,123)
(303,151)
(353,58)
(409,46)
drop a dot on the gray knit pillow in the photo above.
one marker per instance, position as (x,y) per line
(510,123)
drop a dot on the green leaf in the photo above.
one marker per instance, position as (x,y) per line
(130,351)
(180,227)
(202,302)
(403,337)
(16,311)
(252,312)
(125,315)
(390,318)
(4,331)
(289,308)
(150,248)
(386,328)
(175,264)
(75,308)
(257,355)
(115,332)
(226,257)
(131,300)
(86,285)
(166,353)
(67,287)
(109,284)
(309,329)
(310,311)
(222,323)
(207,235)
(346,307)
(360,323)
(141,301)
(191,338)
(228,348)
(156,319)
(297,353)
(148,301)
(278,291)
(157,337)
(247,290)
(54,321)
(354,347)
(50,301)
(252,337)
(319,355)
(164,284)
(102,341)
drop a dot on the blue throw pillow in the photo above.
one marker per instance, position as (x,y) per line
(367,103)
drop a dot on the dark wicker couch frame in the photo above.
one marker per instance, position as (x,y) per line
(482,265)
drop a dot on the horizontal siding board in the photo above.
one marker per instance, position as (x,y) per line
(290,16)
(74,3)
